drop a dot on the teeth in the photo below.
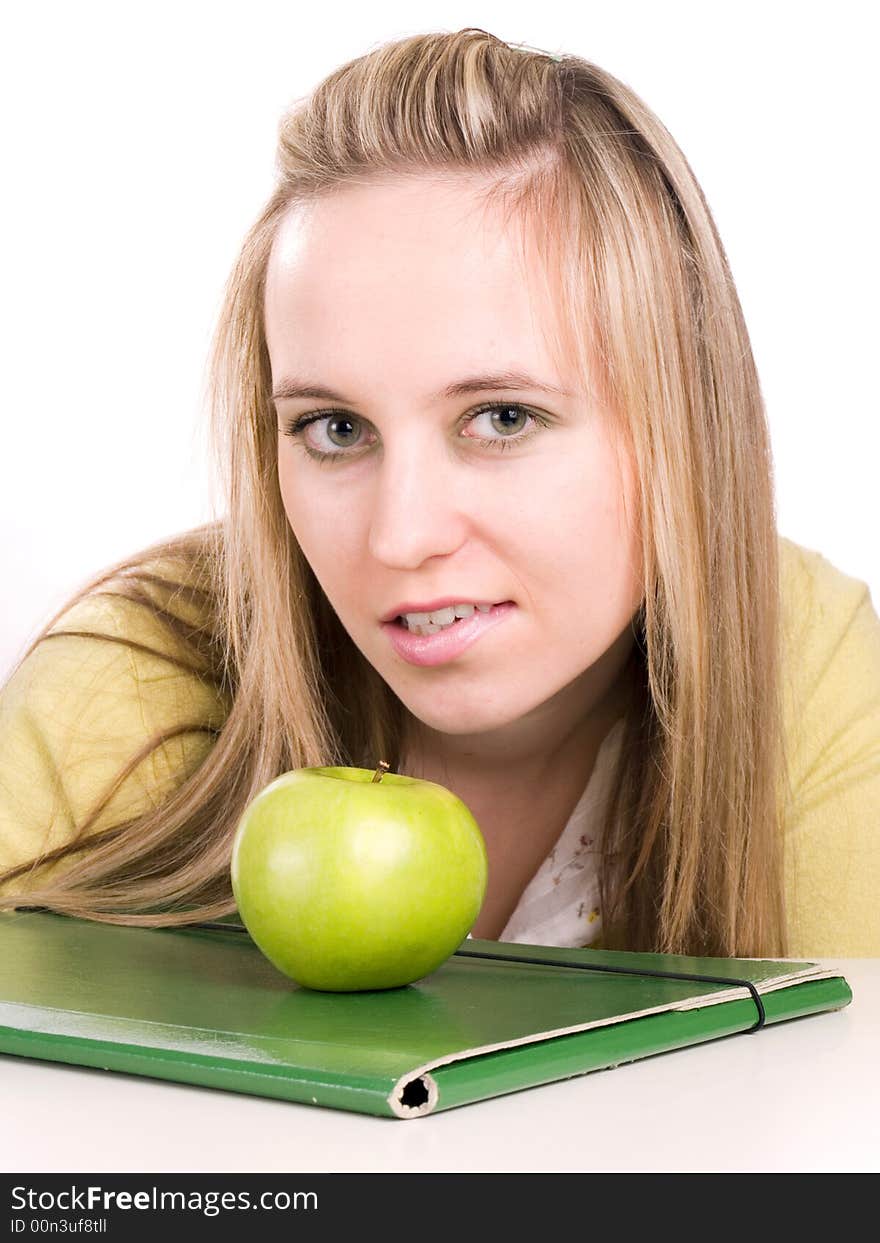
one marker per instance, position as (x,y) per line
(440,619)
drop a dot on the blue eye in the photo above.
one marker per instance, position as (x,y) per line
(340,418)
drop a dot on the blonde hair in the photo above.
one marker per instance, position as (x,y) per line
(693,832)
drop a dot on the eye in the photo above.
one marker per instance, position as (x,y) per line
(343,430)
(512,418)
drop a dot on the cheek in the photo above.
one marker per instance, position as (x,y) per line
(325,524)
(286,485)
(308,520)
(581,539)
(290,497)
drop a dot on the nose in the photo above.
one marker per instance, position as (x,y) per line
(419,507)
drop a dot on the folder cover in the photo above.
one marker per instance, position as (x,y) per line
(204,1006)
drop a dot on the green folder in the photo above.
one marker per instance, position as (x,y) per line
(202,1005)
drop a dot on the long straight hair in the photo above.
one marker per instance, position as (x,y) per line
(693,831)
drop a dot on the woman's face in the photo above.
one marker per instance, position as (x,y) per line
(393,296)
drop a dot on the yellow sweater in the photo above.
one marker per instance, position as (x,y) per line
(78,708)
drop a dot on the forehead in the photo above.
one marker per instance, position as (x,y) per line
(424,269)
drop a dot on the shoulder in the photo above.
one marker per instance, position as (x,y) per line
(831,647)
(124,644)
(818,598)
(125,604)
(111,687)
(831,690)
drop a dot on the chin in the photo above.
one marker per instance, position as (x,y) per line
(461,722)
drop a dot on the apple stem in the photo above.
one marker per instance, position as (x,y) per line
(380,771)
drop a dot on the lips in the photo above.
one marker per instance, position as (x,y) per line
(449,643)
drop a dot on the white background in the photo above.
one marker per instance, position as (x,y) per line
(138,148)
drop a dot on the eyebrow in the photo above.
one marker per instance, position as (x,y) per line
(292,387)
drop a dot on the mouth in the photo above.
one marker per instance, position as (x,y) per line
(443,605)
(444,643)
(426,628)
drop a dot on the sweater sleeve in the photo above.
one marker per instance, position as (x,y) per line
(833,696)
(78,709)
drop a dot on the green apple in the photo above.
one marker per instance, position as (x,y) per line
(348,879)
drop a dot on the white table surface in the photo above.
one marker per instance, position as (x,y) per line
(797,1096)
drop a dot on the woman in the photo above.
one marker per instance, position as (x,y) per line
(481,352)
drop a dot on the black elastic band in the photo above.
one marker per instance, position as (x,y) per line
(660,975)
